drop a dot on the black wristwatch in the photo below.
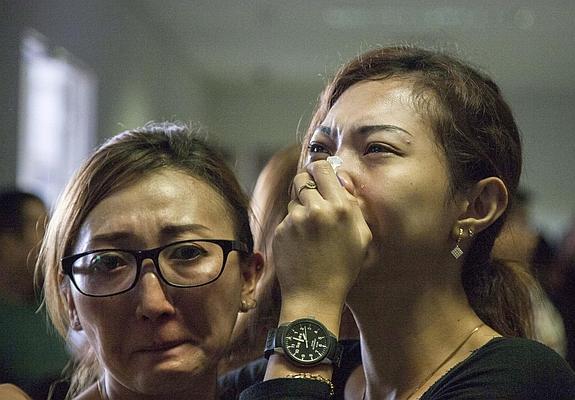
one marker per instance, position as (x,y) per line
(305,342)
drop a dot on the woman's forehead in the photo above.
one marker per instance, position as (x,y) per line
(158,201)
(388,104)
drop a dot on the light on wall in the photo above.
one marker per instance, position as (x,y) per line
(57,118)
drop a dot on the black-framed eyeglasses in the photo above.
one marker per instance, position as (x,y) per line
(182,264)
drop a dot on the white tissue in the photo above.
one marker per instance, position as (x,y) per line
(335,162)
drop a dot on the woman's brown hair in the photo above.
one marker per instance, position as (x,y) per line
(269,206)
(122,160)
(475,128)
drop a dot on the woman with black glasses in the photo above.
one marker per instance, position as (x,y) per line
(149,259)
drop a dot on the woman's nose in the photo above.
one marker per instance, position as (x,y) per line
(346,181)
(345,173)
(154,300)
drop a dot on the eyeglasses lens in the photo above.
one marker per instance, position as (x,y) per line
(104,273)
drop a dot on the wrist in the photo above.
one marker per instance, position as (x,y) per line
(279,367)
(328,314)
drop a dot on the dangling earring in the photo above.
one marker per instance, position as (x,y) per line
(456,252)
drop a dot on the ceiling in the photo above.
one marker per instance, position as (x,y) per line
(522,43)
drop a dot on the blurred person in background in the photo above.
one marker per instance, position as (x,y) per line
(269,204)
(562,284)
(31,355)
(520,242)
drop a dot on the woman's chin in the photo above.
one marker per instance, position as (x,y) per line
(168,373)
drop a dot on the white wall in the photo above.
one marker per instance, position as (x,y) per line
(140,74)
(254,119)
(547,122)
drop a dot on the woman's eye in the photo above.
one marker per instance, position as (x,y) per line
(185,253)
(379,148)
(314,148)
(106,262)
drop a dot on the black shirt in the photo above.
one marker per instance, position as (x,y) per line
(507,368)
(504,368)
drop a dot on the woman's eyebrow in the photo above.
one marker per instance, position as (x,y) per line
(326,130)
(367,129)
(165,231)
(170,230)
(363,130)
(110,237)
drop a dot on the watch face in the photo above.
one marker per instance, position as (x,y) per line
(306,342)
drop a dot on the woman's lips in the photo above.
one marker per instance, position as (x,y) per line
(162,346)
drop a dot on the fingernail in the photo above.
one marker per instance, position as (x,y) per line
(341,180)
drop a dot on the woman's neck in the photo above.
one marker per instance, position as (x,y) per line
(410,330)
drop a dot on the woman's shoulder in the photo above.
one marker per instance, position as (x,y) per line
(511,368)
(509,353)
(13,392)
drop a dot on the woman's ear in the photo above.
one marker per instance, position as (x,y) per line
(72,313)
(486,201)
(252,270)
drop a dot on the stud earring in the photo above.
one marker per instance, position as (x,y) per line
(456,252)
(247,305)
(76,325)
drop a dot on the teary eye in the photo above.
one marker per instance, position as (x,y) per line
(106,262)
(186,252)
(376,148)
(317,148)
(380,148)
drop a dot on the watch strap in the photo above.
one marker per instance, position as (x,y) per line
(273,341)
